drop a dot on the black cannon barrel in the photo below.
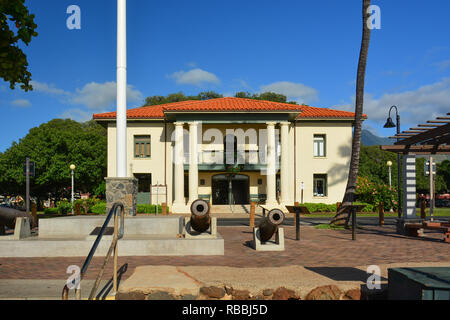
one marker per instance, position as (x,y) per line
(269,224)
(200,217)
(8,217)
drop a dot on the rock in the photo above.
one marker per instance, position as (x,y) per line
(284,294)
(188,297)
(133,295)
(267,292)
(213,292)
(353,294)
(160,295)
(241,294)
(229,290)
(330,292)
(227,297)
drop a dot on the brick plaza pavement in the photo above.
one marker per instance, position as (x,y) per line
(317,248)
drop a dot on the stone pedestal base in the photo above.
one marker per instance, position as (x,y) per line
(277,245)
(401,225)
(122,190)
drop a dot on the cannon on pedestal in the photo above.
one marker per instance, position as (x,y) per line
(200,217)
(8,217)
(268,227)
(200,220)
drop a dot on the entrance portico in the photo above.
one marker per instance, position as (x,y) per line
(230,184)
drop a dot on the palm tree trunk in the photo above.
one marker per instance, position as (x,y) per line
(349,197)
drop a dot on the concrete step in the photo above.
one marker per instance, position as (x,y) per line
(130,245)
(82,226)
(238,208)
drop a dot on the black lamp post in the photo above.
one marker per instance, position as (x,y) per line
(390,124)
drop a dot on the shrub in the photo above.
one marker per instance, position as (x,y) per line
(99,208)
(148,208)
(375,193)
(87,204)
(320,207)
(63,206)
(51,211)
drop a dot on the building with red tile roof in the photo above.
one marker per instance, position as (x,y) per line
(231,151)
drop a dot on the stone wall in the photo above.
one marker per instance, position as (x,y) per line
(122,190)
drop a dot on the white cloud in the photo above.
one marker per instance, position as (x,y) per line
(195,77)
(77,115)
(414,106)
(293,91)
(93,95)
(22,103)
(443,65)
(102,95)
(47,88)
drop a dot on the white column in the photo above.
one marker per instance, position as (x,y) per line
(284,169)
(409,186)
(193,161)
(271,165)
(178,204)
(121,118)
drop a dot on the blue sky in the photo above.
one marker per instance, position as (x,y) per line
(307,50)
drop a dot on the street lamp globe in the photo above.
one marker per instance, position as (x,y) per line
(389,163)
(72,167)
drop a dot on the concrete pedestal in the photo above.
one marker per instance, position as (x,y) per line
(277,245)
(122,190)
(190,233)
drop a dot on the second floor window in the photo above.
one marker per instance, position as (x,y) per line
(142,147)
(319,145)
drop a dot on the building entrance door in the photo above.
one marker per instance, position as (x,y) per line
(230,189)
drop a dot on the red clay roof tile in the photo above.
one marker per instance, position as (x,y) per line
(227,104)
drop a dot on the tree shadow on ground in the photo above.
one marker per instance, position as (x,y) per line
(342,273)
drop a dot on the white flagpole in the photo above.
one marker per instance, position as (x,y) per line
(121,120)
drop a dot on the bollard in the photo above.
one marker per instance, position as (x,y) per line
(252,214)
(296,204)
(423,209)
(34,214)
(164,208)
(297,224)
(381,213)
(353,223)
(77,209)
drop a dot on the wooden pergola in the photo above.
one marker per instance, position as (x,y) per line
(427,139)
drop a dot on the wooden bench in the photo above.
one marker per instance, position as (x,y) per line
(416,229)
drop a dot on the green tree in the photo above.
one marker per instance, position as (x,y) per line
(443,170)
(53,146)
(206,95)
(16,24)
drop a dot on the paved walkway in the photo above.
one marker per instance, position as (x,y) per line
(317,248)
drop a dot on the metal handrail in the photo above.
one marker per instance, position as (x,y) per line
(118,234)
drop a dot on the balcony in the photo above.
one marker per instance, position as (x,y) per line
(222,161)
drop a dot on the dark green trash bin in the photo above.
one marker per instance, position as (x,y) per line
(424,283)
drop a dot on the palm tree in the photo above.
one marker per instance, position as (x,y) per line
(349,196)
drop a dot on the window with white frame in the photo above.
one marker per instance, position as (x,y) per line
(320,185)
(319,145)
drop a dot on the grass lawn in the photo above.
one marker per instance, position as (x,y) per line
(437,212)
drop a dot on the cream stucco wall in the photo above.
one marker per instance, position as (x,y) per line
(160,165)
(335,163)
